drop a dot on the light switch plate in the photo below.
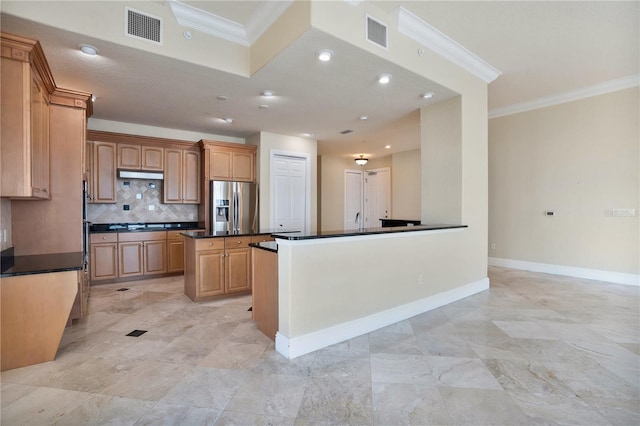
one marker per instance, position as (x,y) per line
(152,207)
(138,196)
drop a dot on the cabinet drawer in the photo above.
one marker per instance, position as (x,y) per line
(262,238)
(111,237)
(142,236)
(210,244)
(236,242)
(177,235)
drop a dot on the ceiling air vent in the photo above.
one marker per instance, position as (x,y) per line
(141,25)
(376,32)
(346,132)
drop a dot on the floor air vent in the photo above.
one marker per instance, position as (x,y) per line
(376,32)
(141,25)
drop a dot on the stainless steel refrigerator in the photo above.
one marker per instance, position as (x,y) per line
(234,207)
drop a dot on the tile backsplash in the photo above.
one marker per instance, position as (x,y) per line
(139,208)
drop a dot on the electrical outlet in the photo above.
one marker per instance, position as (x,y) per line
(421,279)
(138,196)
(493,246)
(623,212)
(151,207)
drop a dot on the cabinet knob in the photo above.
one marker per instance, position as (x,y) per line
(104,238)
(239,242)
(210,244)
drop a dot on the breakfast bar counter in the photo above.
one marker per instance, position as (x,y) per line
(333,286)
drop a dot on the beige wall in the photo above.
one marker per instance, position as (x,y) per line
(268,142)
(579,159)
(405,184)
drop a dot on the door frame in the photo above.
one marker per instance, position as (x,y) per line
(359,172)
(273,154)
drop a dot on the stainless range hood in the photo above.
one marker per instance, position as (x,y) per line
(129,174)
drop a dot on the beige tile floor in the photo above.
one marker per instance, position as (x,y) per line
(534,349)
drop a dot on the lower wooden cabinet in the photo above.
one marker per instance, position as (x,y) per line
(217,266)
(104,256)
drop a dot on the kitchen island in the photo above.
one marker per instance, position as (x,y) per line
(38,292)
(218,264)
(333,286)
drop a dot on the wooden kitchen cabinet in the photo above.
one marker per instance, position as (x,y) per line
(140,157)
(103,173)
(233,163)
(237,266)
(181,177)
(104,256)
(217,267)
(175,251)
(26,85)
(142,253)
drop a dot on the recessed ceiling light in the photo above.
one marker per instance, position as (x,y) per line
(427,95)
(228,120)
(324,55)
(88,50)
(363,118)
(268,93)
(263,106)
(309,135)
(387,146)
(221,98)
(384,78)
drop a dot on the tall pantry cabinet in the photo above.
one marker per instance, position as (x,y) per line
(43,142)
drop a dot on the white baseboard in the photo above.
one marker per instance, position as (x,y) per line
(294,347)
(570,271)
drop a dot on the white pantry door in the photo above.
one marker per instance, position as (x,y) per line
(290,193)
(377,196)
(352,199)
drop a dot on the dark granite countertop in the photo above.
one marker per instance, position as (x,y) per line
(359,232)
(40,263)
(142,227)
(266,245)
(220,234)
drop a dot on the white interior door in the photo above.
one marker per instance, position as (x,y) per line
(352,199)
(377,198)
(289,193)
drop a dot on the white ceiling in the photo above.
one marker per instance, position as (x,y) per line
(542,48)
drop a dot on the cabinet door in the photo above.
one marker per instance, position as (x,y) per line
(220,167)
(209,273)
(104,261)
(175,255)
(191,178)
(152,158)
(130,259)
(155,257)
(243,166)
(104,172)
(172,185)
(238,270)
(129,156)
(39,141)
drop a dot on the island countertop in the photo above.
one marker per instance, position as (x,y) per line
(360,232)
(222,234)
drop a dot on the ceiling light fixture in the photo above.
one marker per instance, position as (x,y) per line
(324,55)
(363,118)
(268,93)
(88,50)
(361,161)
(221,98)
(387,146)
(384,78)
(263,106)
(427,95)
(228,120)
(309,134)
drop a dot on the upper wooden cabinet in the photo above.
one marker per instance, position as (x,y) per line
(103,172)
(137,157)
(232,163)
(26,84)
(181,176)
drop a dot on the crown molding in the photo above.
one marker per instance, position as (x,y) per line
(417,29)
(587,92)
(264,16)
(209,23)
